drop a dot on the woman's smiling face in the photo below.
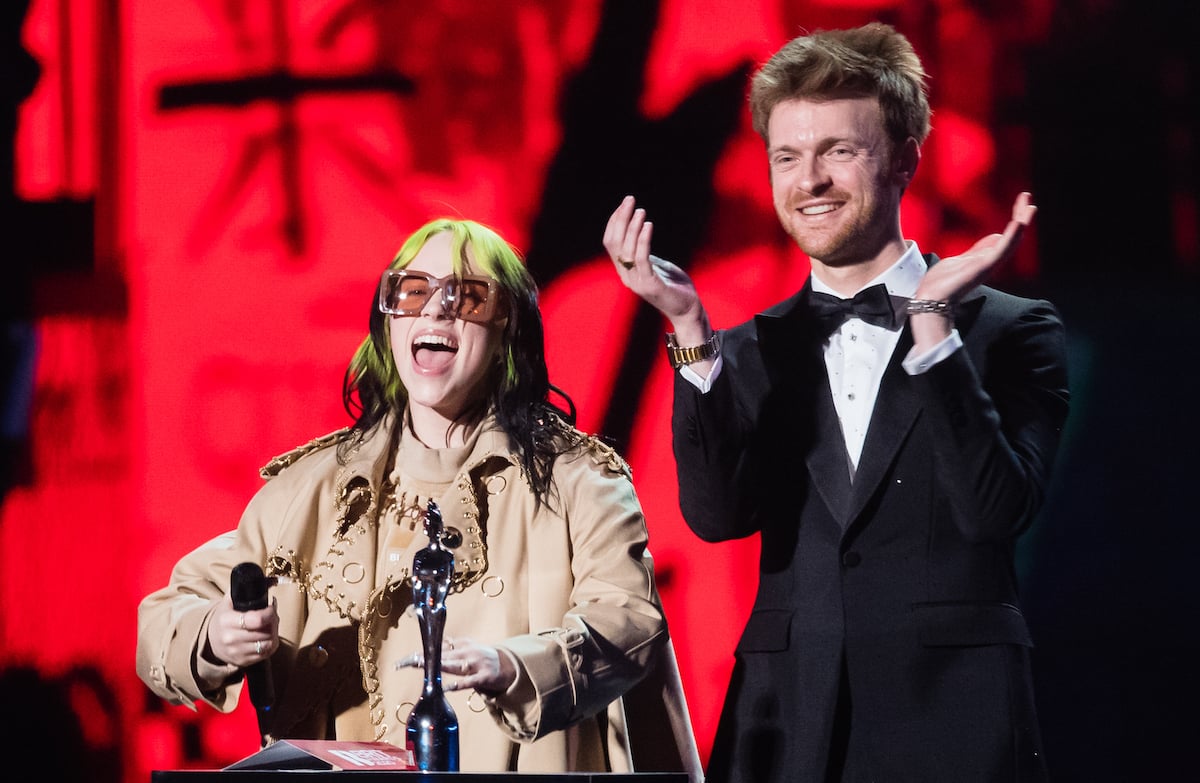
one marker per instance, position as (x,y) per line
(442,360)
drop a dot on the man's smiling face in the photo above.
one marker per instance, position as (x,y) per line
(834,180)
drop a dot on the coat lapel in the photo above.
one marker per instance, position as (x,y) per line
(828,462)
(791,345)
(896,411)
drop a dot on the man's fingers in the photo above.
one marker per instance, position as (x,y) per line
(1024,209)
(643,239)
(614,228)
(618,225)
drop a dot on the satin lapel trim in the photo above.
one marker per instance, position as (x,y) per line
(828,461)
(782,335)
(896,411)
(792,354)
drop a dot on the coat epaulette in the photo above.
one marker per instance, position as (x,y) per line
(600,452)
(604,454)
(275,466)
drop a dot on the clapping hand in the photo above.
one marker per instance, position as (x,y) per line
(662,284)
(951,278)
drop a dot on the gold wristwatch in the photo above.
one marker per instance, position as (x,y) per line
(696,353)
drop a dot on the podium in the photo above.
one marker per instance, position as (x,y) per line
(407,776)
(331,761)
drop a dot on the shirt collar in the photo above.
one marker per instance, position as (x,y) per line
(901,278)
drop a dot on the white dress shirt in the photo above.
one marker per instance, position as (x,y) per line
(857,354)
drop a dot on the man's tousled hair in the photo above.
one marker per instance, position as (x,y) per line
(869,61)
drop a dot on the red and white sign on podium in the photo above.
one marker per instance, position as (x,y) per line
(328,754)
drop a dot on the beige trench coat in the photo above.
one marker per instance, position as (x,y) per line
(567,589)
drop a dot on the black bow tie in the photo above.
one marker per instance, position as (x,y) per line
(872,305)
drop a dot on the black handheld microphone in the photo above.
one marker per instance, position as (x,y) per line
(248,589)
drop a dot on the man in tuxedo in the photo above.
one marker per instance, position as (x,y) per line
(888,431)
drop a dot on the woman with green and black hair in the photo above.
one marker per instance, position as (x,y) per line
(517,389)
(556,655)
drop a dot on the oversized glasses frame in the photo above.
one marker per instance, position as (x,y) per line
(405,292)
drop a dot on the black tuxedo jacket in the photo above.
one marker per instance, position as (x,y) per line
(887,605)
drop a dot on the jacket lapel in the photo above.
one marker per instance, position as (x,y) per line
(828,462)
(896,411)
(791,345)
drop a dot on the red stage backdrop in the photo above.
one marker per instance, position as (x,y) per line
(252,166)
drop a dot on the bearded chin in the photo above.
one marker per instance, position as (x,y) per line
(832,251)
(851,243)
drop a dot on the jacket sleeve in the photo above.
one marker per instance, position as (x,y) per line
(614,626)
(711,438)
(173,627)
(173,620)
(996,410)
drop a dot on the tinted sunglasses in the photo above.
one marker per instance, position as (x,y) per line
(405,292)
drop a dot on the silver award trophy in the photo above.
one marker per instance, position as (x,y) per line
(432,730)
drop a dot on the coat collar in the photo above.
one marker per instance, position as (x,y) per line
(344,575)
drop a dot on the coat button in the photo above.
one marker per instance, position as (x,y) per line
(851,559)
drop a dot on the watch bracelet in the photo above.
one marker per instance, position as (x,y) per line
(679,356)
(937,306)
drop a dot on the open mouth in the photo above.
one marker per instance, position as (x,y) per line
(434,351)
